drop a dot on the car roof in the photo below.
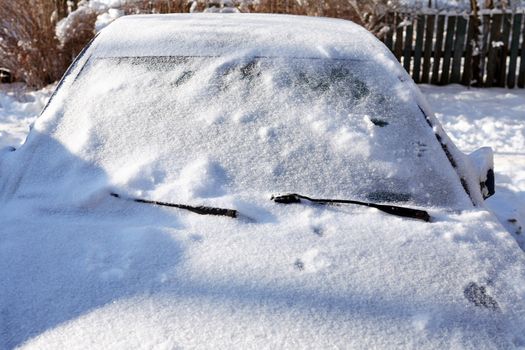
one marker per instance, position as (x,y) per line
(219,34)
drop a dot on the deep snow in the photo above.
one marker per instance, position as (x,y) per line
(80,268)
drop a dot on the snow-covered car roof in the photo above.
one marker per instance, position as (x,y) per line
(158,110)
(247,34)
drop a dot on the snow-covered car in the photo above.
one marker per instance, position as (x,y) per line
(249,181)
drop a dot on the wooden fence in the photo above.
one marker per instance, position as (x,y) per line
(450,48)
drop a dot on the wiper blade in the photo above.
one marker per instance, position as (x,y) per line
(201,210)
(390,209)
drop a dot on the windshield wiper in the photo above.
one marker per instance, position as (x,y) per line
(201,210)
(390,209)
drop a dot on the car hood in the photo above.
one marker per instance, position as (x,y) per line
(121,274)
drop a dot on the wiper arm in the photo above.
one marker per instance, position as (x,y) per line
(390,209)
(201,210)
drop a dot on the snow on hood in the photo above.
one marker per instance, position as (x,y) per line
(126,275)
(81,269)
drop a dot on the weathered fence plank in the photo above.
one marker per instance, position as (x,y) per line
(521,76)
(507,20)
(449,41)
(459,46)
(514,47)
(437,49)
(468,69)
(429,36)
(407,52)
(389,38)
(420,32)
(483,49)
(493,47)
(398,45)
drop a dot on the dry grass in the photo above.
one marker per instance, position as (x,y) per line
(368,13)
(28,47)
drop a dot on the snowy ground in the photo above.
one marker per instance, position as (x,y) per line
(18,109)
(472,117)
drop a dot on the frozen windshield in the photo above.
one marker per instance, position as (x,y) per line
(193,127)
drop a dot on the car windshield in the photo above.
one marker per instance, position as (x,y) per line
(190,127)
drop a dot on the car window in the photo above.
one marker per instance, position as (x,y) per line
(324,127)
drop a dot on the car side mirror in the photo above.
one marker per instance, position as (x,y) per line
(483,162)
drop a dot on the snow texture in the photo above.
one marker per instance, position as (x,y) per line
(105,10)
(490,117)
(66,28)
(217,35)
(82,269)
(19,109)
